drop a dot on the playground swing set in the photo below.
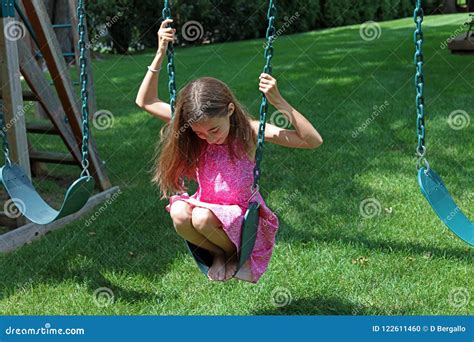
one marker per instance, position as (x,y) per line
(16,57)
(431,185)
(69,121)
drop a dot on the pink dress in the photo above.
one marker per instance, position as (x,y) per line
(224,188)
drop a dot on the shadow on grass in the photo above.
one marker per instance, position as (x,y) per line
(327,306)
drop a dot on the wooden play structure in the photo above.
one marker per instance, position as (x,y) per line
(464,43)
(68,115)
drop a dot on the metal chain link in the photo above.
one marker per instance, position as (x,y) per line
(166,13)
(268,55)
(419,84)
(3,135)
(83,79)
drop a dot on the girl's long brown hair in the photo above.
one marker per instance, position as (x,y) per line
(179,148)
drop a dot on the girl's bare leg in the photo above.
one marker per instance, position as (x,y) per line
(207,224)
(181,214)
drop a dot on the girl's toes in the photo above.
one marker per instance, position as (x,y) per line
(221,275)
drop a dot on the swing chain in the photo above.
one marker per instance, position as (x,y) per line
(166,13)
(5,147)
(419,84)
(268,55)
(84,95)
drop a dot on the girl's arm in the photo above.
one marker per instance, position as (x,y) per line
(147,97)
(304,135)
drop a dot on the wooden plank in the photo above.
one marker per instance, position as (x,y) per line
(462,45)
(12,103)
(31,231)
(6,221)
(13,111)
(90,75)
(52,157)
(58,69)
(41,128)
(48,99)
(27,96)
(36,167)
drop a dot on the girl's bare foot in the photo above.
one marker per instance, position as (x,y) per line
(231,265)
(217,270)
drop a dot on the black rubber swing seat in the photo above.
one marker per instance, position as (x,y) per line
(32,206)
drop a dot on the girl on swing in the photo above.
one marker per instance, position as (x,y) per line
(212,139)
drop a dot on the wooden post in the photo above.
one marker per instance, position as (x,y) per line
(13,112)
(12,99)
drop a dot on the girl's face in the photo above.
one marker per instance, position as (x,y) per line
(216,130)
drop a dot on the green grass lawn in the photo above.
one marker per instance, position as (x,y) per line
(328,258)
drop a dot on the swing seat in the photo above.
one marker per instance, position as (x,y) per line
(204,258)
(438,196)
(32,206)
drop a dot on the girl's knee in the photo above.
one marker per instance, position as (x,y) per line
(181,212)
(203,219)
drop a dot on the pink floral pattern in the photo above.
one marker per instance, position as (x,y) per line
(224,188)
